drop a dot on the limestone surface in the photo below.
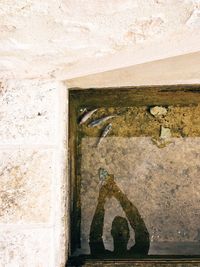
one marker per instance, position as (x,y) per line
(25,195)
(24,248)
(33,223)
(158,111)
(66,39)
(27,112)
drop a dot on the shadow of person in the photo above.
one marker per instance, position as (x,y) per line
(120,229)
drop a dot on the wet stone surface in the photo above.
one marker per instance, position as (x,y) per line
(162,182)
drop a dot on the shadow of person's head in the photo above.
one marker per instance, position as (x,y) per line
(120,233)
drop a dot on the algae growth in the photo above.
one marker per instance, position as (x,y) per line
(183,121)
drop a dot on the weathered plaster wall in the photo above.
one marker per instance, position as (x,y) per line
(65,39)
(32,171)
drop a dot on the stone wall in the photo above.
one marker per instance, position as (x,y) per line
(33,181)
(33,176)
(64,40)
(72,38)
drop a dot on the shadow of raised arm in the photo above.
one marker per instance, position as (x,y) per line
(120,230)
(142,241)
(96,229)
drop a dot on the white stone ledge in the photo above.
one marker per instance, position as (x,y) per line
(69,40)
(183,69)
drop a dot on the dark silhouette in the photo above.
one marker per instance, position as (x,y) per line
(120,230)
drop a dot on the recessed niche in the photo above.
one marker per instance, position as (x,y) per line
(134,169)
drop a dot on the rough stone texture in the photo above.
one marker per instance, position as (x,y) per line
(25,182)
(162,183)
(65,39)
(57,38)
(26,248)
(33,224)
(28,112)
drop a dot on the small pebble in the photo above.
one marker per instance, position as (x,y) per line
(165,133)
(158,111)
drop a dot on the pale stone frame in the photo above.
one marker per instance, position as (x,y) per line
(62,217)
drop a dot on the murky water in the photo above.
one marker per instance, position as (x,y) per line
(153,182)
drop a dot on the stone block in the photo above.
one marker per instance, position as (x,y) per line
(26,248)
(25,186)
(27,112)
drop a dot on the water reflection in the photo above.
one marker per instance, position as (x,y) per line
(120,230)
